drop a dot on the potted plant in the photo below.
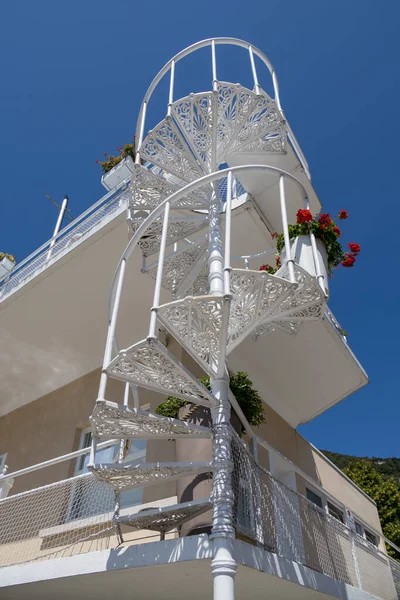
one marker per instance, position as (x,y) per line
(117,169)
(330,251)
(7,263)
(200,486)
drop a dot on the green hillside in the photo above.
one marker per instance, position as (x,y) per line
(387,467)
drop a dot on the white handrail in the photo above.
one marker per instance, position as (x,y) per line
(55,461)
(213,42)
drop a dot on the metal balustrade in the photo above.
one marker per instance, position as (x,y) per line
(106,209)
(75,516)
(286,523)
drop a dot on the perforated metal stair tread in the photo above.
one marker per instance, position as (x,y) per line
(127,476)
(116,421)
(180,267)
(179,228)
(243,122)
(150,187)
(258,298)
(166,518)
(149,364)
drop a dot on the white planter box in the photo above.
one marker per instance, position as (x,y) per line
(6,265)
(303,256)
(118,174)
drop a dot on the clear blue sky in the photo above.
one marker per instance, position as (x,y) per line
(72,78)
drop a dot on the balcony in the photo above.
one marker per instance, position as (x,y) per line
(66,528)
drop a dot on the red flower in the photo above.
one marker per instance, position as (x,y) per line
(105,153)
(274,235)
(267,268)
(303,216)
(278,261)
(97,162)
(355,248)
(324,219)
(343,214)
(349,260)
(336,230)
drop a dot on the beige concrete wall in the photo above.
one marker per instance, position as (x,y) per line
(51,426)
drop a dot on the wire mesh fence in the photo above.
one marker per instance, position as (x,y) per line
(69,517)
(85,225)
(75,516)
(284,522)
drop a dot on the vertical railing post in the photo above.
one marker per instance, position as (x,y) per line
(215,260)
(171,88)
(141,132)
(111,329)
(317,266)
(254,71)
(285,227)
(214,67)
(160,269)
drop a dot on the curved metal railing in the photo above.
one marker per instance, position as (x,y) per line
(213,42)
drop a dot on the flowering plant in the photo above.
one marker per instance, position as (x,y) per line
(325,229)
(110,161)
(5,255)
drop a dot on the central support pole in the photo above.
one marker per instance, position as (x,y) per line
(223,565)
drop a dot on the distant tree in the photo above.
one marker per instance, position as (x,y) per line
(385,492)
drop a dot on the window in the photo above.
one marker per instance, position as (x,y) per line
(367,535)
(335,512)
(313,497)
(370,537)
(359,528)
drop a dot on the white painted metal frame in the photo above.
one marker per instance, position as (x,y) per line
(213,42)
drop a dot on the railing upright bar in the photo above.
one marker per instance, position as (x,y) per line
(228,231)
(214,66)
(136,399)
(254,71)
(171,88)
(111,328)
(317,265)
(282,198)
(141,132)
(160,269)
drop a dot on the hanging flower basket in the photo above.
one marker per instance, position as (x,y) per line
(7,263)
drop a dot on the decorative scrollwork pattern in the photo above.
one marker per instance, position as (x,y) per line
(164,519)
(150,365)
(110,420)
(196,323)
(178,229)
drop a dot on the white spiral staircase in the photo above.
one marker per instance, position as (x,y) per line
(173,219)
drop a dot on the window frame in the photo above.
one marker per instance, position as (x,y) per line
(364,531)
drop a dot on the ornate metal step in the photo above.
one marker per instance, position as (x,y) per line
(166,518)
(117,421)
(197,323)
(180,267)
(127,476)
(179,228)
(150,365)
(151,186)
(244,122)
(258,299)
